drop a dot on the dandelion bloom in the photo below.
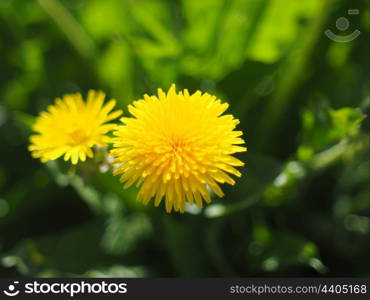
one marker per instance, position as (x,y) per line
(71,127)
(177,146)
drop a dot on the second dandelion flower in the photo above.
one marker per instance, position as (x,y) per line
(72,127)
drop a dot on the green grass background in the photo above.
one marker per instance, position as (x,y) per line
(301,208)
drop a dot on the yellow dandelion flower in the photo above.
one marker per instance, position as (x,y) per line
(177,146)
(71,127)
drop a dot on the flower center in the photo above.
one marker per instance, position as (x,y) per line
(176,143)
(77,136)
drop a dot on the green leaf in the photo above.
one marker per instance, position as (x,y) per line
(117,271)
(280,28)
(323,127)
(114,67)
(280,250)
(73,251)
(24,119)
(124,232)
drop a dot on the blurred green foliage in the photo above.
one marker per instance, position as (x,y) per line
(301,208)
